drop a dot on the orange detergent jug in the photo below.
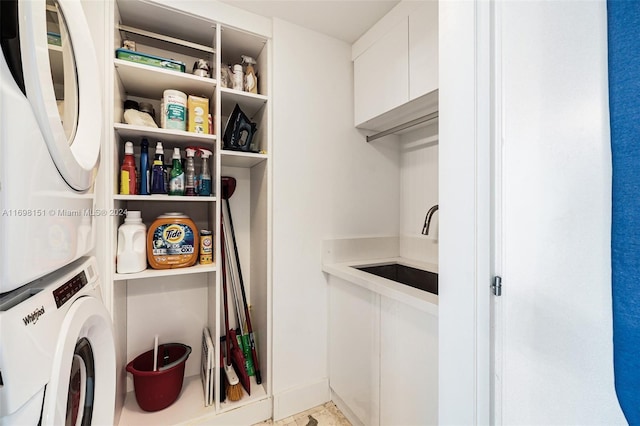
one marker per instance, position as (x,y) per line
(172,242)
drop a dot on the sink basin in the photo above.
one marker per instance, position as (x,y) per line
(416,278)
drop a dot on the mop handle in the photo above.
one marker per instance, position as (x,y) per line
(254,354)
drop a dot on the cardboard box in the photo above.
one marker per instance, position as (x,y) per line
(198,114)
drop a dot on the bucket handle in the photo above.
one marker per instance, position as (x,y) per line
(178,361)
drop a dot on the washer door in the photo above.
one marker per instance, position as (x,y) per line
(83,383)
(73,133)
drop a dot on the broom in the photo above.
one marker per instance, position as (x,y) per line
(234,353)
(228,188)
(234,388)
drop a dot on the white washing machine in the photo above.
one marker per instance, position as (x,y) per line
(57,358)
(50,135)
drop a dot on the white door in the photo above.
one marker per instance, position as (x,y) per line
(83,383)
(75,145)
(553,321)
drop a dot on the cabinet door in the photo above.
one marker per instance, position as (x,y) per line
(353,348)
(408,365)
(381,75)
(423,50)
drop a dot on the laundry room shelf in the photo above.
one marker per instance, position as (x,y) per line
(155,273)
(250,103)
(150,82)
(241,159)
(162,197)
(190,404)
(178,137)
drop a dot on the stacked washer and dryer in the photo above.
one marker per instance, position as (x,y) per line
(57,352)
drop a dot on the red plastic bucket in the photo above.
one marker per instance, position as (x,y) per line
(156,390)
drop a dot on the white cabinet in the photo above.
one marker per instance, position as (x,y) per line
(353,344)
(383,357)
(381,74)
(177,303)
(423,50)
(395,67)
(409,360)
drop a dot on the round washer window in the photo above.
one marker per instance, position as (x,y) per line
(81,385)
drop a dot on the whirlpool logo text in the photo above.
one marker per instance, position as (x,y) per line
(33,317)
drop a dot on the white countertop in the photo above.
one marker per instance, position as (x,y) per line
(419,299)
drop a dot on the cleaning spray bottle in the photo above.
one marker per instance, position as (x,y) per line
(128,171)
(176,182)
(157,172)
(204,180)
(250,79)
(190,173)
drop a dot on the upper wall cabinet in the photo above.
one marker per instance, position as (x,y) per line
(382,74)
(423,50)
(396,67)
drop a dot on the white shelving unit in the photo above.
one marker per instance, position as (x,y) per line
(178,303)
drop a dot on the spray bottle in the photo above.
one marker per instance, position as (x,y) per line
(190,173)
(204,180)
(250,79)
(176,182)
(128,171)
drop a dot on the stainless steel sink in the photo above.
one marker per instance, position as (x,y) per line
(416,278)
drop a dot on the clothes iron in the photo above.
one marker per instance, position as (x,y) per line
(239,132)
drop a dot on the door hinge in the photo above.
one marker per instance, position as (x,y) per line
(496,287)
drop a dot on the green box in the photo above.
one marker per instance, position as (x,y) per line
(154,61)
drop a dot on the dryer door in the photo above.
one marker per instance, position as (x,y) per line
(61,83)
(83,383)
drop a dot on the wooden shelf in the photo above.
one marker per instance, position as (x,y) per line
(155,273)
(241,159)
(163,197)
(188,408)
(178,137)
(250,103)
(150,82)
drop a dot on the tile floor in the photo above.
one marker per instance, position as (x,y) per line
(322,415)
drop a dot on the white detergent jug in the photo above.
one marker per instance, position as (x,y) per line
(132,249)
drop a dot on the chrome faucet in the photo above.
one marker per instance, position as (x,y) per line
(427,220)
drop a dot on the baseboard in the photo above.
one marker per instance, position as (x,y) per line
(353,419)
(296,400)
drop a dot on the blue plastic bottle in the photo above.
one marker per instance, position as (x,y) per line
(158,183)
(144,167)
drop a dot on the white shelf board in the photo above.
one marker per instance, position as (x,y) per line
(241,159)
(155,273)
(150,82)
(128,131)
(163,197)
(189,407)
(250,103)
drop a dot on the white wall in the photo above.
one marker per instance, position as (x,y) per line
(328,183)
(418,193)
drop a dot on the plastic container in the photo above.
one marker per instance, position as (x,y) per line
(238,77)
(174,110)
(158,181)
(176,182)
(190,173)
(204,180)
(145,178)
(156,390)
(172,242)
(131,255)
(128,171)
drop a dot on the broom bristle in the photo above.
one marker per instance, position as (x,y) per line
(234,392)
(234,388)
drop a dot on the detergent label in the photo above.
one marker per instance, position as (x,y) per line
(173,239)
